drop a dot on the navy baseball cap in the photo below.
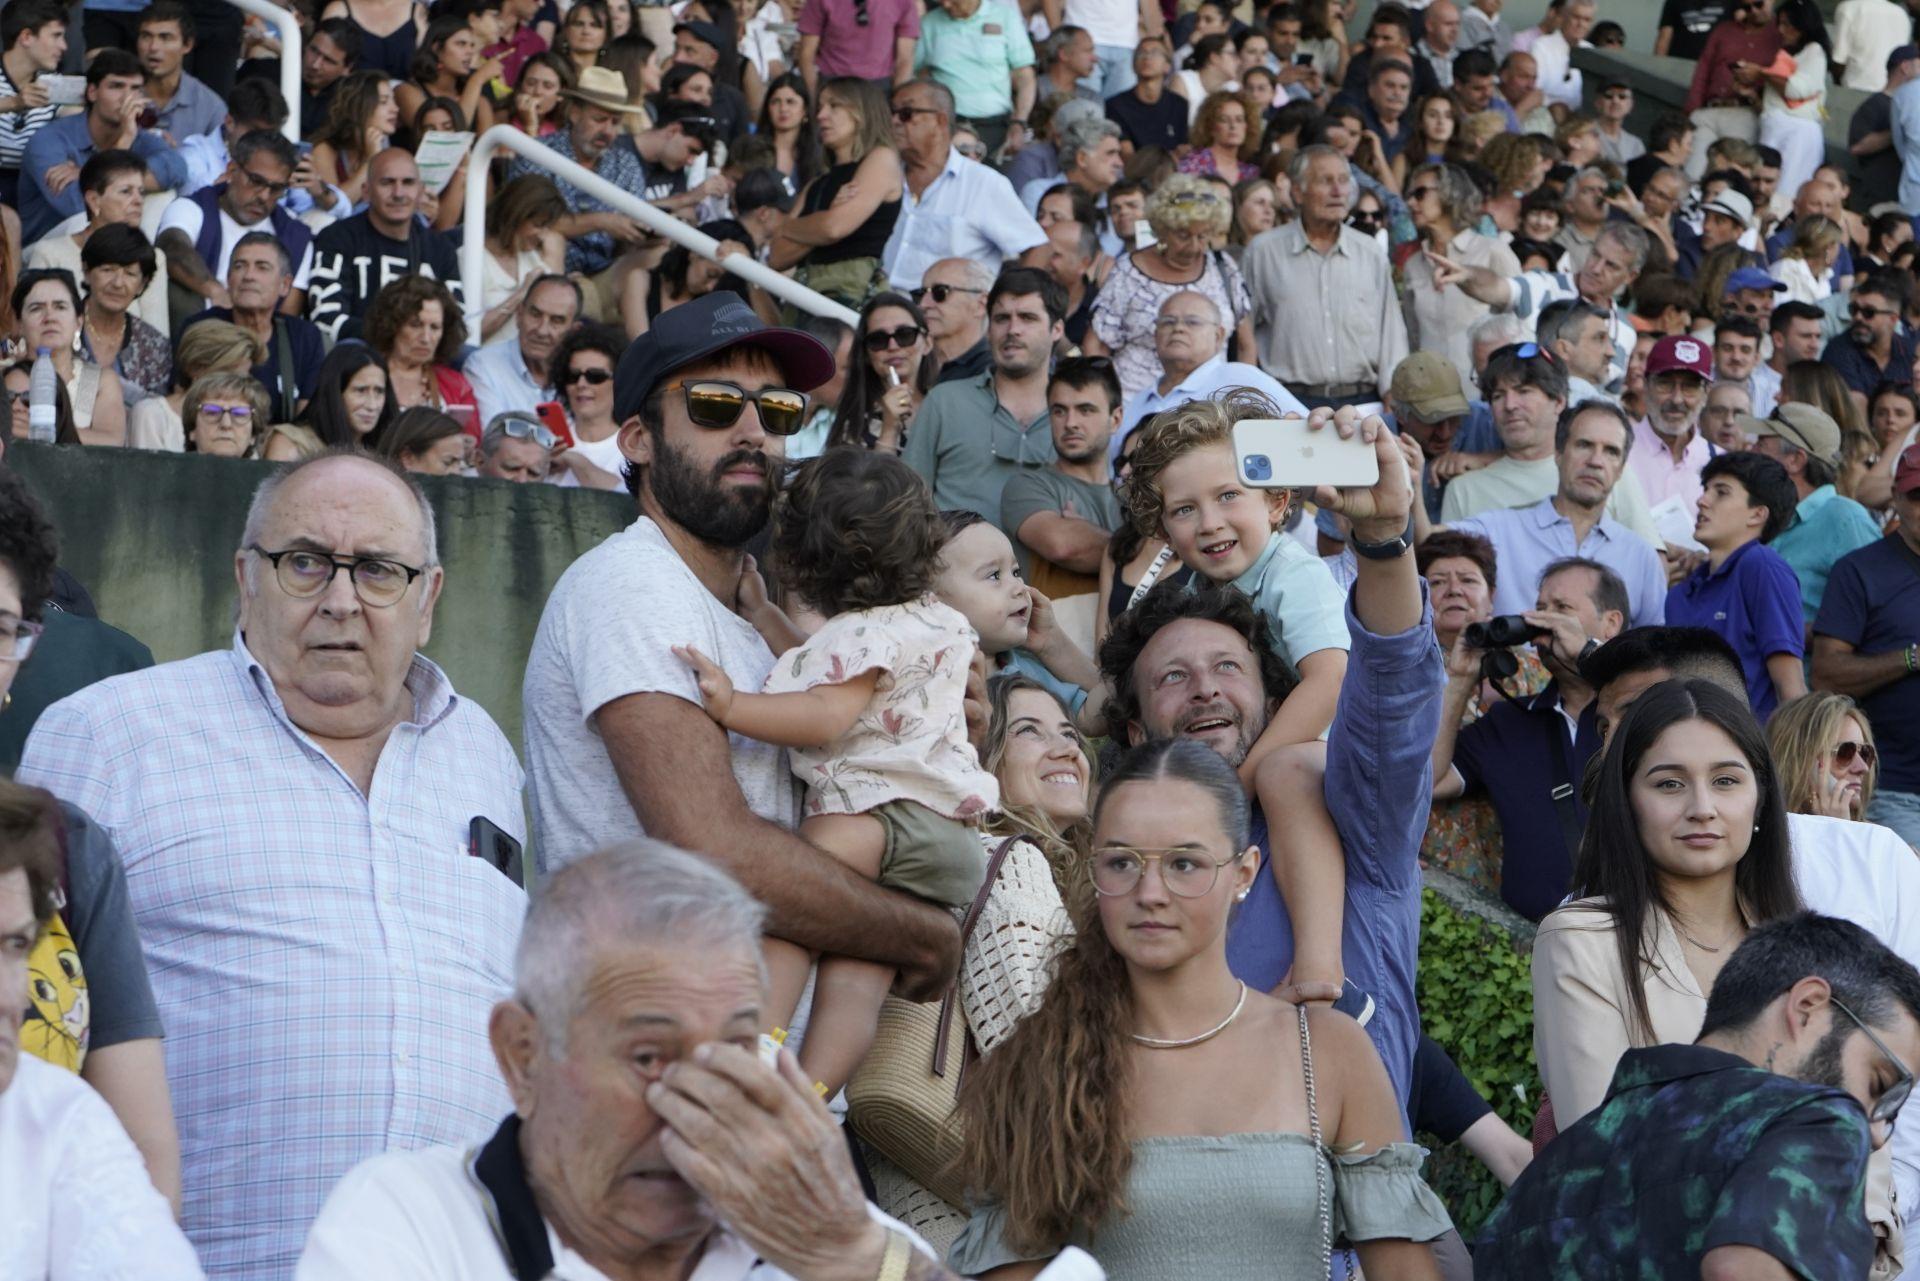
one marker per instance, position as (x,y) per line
(1752,278)
(706,327)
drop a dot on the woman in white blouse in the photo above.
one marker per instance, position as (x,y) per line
(1793,105)
(1046,793)
(1685,851)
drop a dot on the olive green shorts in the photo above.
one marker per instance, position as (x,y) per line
(928,854)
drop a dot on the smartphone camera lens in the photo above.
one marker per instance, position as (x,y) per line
(1259,467)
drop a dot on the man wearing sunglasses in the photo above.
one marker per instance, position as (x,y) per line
(1876,347)
(1726,84)
(194,231)
(617,742)
(1765,1121)
(516,447)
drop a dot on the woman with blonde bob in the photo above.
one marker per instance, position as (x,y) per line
(1188,214)
(1824,753)
(1805,266)
(1149,1073)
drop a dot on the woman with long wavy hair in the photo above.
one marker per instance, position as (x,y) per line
(895,372)
(836,243)
(1686,849)
(1046,779)
(360,124)
(1156,1105)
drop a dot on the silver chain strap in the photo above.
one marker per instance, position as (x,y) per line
(1322,1200)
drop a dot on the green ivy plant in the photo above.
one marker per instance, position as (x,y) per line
(1476,999)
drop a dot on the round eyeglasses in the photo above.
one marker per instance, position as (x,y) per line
(1187,872)
(377,582)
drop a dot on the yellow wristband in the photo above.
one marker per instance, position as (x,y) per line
(893,1264)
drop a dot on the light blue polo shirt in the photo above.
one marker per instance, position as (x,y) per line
(1825,527)
(975,57)
(1306,610)
(1528,539)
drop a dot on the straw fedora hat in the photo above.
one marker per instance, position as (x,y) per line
(603,87)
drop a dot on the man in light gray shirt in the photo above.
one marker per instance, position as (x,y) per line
(618,742)
(1324,308)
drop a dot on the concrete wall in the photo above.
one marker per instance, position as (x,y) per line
(153,535)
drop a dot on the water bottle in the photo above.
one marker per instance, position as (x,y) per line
(42,394)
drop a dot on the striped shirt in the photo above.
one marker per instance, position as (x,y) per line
(324,960)
(18,126)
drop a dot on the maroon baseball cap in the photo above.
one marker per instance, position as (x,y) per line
(1906,473)
(1680,352)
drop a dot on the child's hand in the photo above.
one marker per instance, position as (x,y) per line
(975,701)
(751,596)
(716,687)
(1042,630)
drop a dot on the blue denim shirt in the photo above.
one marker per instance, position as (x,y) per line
(1379,786)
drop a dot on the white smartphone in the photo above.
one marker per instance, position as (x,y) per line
(1280,453)
(64,91)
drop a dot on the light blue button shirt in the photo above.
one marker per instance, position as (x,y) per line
(501,381)
(1528,539)
(1825,527)
(1202,384)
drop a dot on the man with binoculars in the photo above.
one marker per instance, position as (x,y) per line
(1528,754)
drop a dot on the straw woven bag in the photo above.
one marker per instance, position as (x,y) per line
(902,1099)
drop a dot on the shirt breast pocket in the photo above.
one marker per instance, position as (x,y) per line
(932,233)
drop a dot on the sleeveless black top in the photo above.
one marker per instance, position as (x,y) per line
(869,239)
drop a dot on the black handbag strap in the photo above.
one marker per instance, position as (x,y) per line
(967,923)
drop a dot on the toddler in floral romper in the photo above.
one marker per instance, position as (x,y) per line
(871,707)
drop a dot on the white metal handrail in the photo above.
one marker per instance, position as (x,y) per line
(289,28)
(509,138)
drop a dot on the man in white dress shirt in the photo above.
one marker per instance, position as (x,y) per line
(1191,341)
(648,1135)
(78,1201)
(953,207)
(1859,872)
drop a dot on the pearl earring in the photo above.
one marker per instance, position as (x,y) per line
(1241,897)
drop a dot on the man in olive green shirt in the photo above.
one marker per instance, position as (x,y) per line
(1060,517)
(973,435)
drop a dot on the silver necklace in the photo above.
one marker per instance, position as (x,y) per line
(1155,1043)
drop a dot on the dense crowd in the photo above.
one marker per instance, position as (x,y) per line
(974,820)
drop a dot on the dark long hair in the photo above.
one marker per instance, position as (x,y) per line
(1614,864)
(863,389)
(1807,20)
(1053,1146)
(327,411)
(808,160)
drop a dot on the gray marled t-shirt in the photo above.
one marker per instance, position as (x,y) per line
(608,631)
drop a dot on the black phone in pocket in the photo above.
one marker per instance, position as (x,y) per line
(486,841)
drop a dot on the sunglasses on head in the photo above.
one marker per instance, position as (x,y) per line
(716,405)
(880,339)
(525,429)
(941,292)
(1846,751)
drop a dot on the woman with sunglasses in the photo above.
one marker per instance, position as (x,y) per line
(1823,748)
(1149,1072)
(835,243)
(894,376)
(1445,203)
(1686,849)
(583,367)
(786,117)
